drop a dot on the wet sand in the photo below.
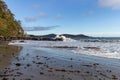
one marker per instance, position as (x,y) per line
(37,63)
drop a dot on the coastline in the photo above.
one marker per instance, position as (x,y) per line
(4,42)
(35,63)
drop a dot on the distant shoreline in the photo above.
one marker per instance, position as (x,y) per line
(53,38)
(29,38)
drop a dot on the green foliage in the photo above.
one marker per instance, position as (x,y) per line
(9,26)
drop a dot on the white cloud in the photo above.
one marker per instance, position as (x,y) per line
(36,6)
(43,15)
(113,4)
(35,18)
(59,16)
(89,12)
(30,19)
(40,28)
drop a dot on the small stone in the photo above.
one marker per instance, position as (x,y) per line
(28,65)
(5,79)
(41,73)
(114,77)
(18,64)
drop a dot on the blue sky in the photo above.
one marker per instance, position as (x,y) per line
(90,17)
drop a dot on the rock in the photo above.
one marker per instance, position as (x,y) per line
(41,73)
(18,64)
(28,65)
(5,79)
(19,73)
(39,63)
(114,77)
(94,48)
(21,41)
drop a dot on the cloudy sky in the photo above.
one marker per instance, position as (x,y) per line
(90,17)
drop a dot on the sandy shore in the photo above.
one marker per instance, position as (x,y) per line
(36,63)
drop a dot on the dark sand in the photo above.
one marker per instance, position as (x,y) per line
(36,63)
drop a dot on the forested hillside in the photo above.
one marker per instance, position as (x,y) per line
(9,26)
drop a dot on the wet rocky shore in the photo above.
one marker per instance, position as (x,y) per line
(38,63)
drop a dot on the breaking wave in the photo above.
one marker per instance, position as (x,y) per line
(101,49)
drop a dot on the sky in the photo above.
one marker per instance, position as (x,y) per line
(90,17)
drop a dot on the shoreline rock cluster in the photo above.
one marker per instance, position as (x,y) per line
(30,38)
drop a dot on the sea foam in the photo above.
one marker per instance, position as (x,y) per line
(101,49)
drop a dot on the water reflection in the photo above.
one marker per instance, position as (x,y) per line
(7,53)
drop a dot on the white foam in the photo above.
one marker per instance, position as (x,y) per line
(108,50)
(98,53)
(65,39)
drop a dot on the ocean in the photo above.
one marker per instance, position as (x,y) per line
(101,47)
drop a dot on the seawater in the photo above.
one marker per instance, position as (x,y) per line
(106,48)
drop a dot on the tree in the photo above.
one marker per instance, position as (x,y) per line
(9,26)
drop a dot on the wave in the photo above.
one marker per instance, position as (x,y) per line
(99,53)
(64,38)
(98,40)
(101,49)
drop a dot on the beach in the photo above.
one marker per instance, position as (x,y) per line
(30,61)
